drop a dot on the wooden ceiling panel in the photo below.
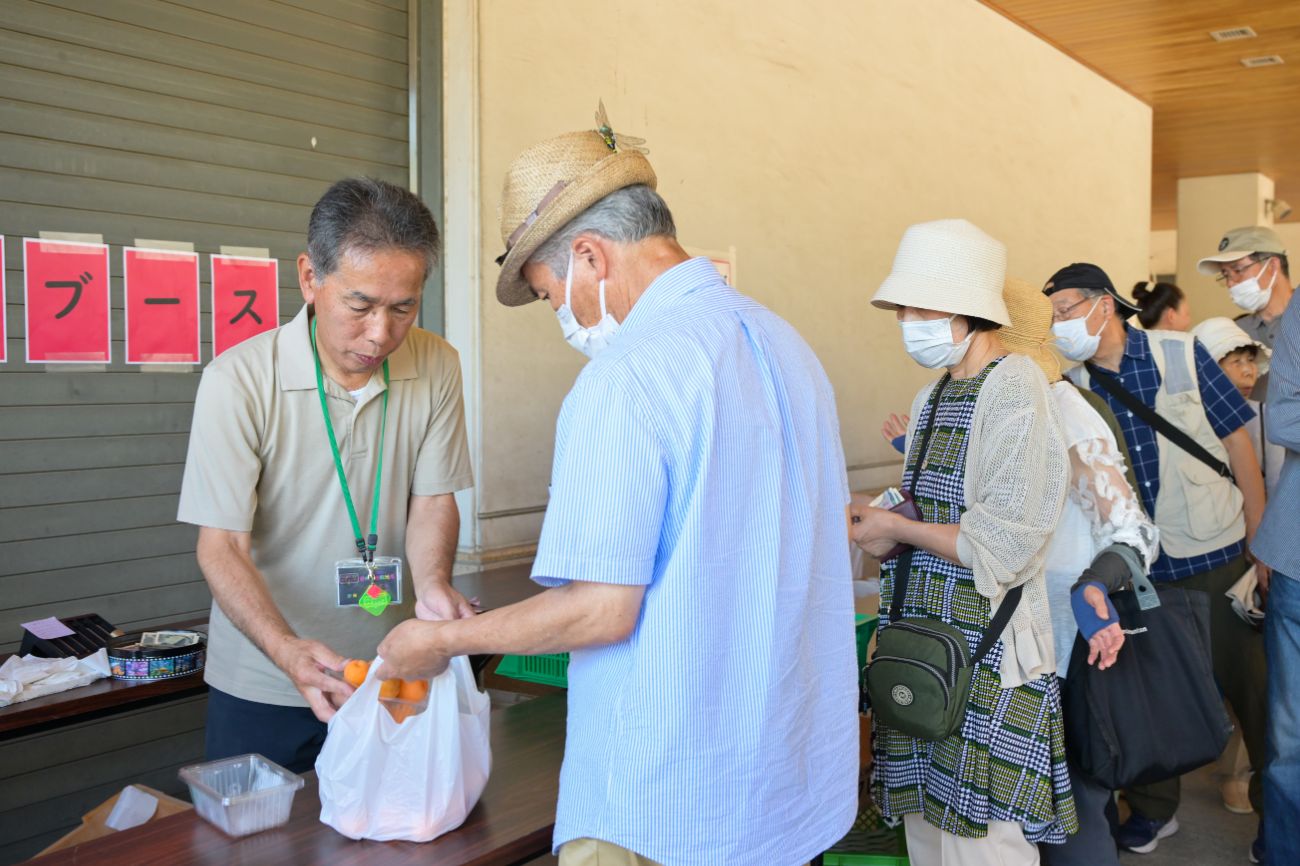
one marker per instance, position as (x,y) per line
(1211,114)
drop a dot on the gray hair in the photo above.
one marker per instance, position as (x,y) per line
(625,216)
(365,214)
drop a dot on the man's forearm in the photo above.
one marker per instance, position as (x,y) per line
(1245,469)
(241,591)
(564,618)
(432,532)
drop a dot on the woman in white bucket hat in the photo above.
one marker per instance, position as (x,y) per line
(990,490)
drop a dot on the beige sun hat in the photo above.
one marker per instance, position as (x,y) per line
(950,266)
(551,183)
(1030,330)
(1221,335)
(1239,243)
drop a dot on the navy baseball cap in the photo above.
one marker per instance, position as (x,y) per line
(1082,275)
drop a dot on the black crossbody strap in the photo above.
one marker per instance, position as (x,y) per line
(1163,426)
(905,559)
(999,622)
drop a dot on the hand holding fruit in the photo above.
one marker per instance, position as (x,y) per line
(411,650)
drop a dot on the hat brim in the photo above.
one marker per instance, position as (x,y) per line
(931,293)
(1210,264)
(618,170)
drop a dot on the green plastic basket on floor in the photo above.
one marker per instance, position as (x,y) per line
(547,670)
(865,626)
(870,843)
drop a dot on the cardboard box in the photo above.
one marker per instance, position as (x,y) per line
(93,826)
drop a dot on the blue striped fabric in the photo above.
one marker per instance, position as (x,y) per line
(700,455)
(1226,410)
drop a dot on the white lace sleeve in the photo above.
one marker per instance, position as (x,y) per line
(1098,483)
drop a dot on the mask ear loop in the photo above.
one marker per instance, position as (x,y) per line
(603,312)
(568,283)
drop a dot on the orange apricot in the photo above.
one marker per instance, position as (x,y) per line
(354,672)
(413,690)
(389,688)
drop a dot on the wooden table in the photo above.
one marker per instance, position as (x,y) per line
(498,587)
(494,588)
(100,698)
(512,822)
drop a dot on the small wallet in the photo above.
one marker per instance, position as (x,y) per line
(908,509)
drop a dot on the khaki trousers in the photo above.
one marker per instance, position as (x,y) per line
(1005,845)
(594,852)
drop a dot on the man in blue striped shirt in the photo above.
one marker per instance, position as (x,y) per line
(694,544)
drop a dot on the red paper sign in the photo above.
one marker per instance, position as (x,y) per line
(66,295)
(245,299)
(162,306)
(4,344)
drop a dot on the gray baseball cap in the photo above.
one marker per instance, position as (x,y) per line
(1239,243)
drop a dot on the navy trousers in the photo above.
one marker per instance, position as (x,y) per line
(290,736)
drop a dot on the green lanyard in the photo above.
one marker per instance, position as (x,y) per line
(365,545)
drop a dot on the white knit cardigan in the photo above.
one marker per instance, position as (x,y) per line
(1017,475)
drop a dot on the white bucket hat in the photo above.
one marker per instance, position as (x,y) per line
(1222,335)
(950,266)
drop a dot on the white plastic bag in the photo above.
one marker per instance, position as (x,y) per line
(415,780)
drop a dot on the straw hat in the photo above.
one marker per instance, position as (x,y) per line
(551,183)
(1222,335)
(1031,326)
(950,266)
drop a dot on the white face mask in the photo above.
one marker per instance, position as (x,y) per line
(589,341)
(930,343)
(1073,339)
(1248,295)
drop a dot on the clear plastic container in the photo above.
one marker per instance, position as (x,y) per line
(242,795)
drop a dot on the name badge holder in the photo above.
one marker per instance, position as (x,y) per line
(367,581)
(371,585)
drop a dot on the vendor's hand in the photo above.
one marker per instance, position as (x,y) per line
(874,530)
(894,426)
(440,600)
(1106,643)
(307,663)
(410,652)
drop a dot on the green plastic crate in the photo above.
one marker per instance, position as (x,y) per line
(869,843)
(548,670)
(865,626)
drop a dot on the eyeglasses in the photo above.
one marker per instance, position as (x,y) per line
(1227,271)
(1063,314)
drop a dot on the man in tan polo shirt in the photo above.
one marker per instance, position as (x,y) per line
(264,478)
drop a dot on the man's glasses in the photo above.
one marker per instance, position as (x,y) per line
(1063,314)
(1227,271)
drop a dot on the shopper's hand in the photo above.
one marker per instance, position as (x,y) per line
(894,426)
(307,663)
(874,530)
(440,600)
(410,652)
(1104,646)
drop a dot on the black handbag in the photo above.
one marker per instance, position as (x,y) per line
(1156,713)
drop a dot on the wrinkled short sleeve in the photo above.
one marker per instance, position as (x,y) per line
(609,489)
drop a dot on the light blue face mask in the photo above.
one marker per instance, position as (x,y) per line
(589,341)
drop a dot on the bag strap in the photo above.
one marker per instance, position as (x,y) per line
(1010,602)
(1110,384)
(905,561)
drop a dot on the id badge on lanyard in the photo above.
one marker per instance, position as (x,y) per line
(369,582)
(370,585)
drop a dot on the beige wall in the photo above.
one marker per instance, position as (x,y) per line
(1207,207)
(807,136)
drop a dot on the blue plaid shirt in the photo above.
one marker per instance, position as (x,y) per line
(1226,410)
